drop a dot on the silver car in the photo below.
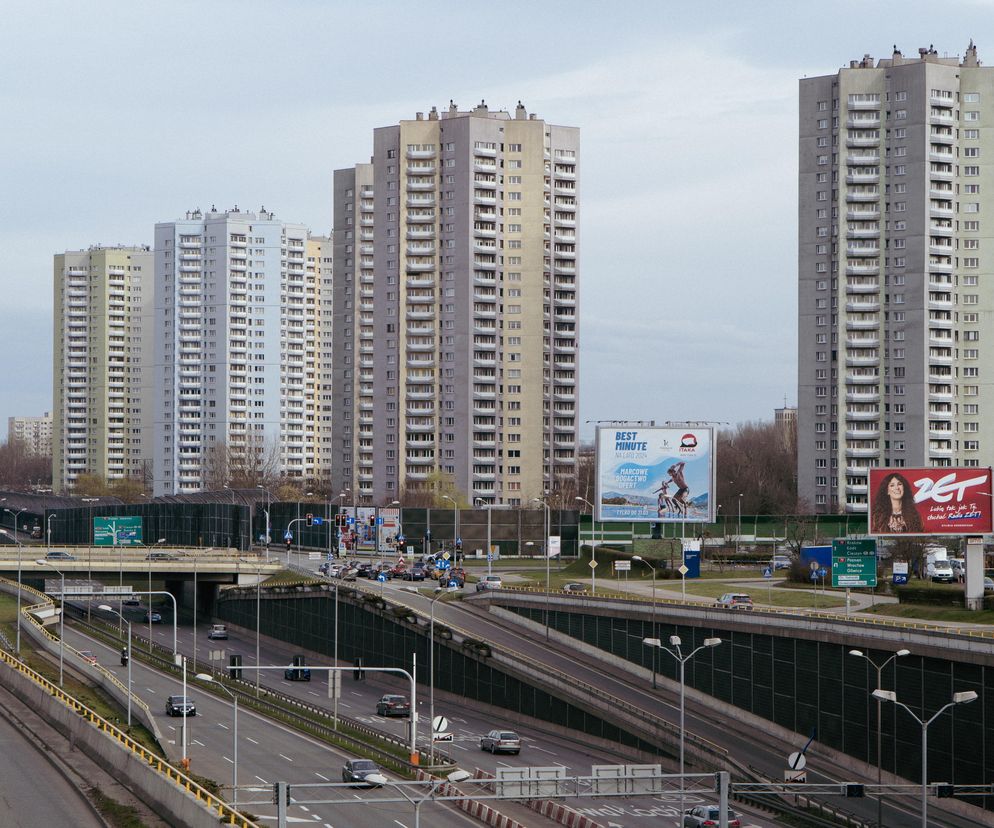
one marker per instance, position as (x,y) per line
(501,741)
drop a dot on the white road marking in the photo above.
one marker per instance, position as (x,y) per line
(226,759)
(536,747)
(221,725)
(313,693)
(149,690)
(253,741)
(322,776)
(263,781)
(401,824)
(198,742)
(286,757)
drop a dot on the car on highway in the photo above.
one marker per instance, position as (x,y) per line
(707,815)
(501,741)
(218,631)
(356,771)
(489,582)
(325,569)
(297,673)
(153,617)
(574,587)
(133,601)
(180,706)
(87,655)
(735,600)
(161,556)
(393,705)
(59,555)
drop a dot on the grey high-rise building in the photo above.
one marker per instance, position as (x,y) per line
(455,324)
(895,285)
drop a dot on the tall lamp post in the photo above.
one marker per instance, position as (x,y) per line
(880,668)
(234,749)
(109,608)
(439,592)
(269,500)
(643,560)
(455,523)
(62,616)
(738,534)
(258,607)
(682,660)
(548,561)
(338,542)
(16,515)
(17,647)
(48,527)
(593,559)
(958,698)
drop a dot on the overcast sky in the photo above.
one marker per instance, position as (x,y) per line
(116,115)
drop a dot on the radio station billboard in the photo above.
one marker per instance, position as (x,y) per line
(655,474)
(934,501)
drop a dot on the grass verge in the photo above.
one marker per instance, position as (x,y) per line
(922,612)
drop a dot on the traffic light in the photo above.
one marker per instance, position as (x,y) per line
(854,790)
(358,674)
(309,519)
(234,661)
(372,520)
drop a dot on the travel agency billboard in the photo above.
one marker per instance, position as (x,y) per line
(936,501)
(655,474)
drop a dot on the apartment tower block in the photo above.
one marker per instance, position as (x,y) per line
(895,281)
(455,254)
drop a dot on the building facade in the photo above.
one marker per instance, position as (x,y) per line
(102,358)
(456,333)
(236,350)
(895,285)
(35,433)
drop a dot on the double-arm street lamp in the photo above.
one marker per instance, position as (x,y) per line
(643,560)
(205,677)
(548,561)
(958,698)
(682,660)
(880,668)
(109,608)
(62,616)
(16,515)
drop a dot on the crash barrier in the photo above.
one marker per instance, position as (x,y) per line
(550,808)
(481,811)
(171,792)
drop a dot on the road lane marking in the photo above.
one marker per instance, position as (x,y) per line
(253,741)
(221,725)
(226,759)
(536,747)
(322,776)
(286,757)
(263,781)
(198,742)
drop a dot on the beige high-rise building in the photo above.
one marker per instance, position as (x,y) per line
(456,329)
(895,280)
(102,360)
(35,433)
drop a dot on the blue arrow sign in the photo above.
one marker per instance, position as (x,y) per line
(350,520)
(453,584)
(381,577)
(317,521)
(443,564)
(822,572)
(379,521)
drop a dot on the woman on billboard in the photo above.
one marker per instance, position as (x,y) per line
(894,510)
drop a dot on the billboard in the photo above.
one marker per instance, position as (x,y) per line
(388,528)
(937,501)
(655,474)
(117,531)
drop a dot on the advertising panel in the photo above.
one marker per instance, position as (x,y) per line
(389,529)
(117,531)
(655,474)
(937,501)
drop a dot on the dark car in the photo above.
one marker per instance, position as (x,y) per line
(501,741)
(391,705)
(574,587)
(59,555)
(356,771)
(180,706)
(415,573)
(707,815)
(297,674)
(161,556)
(153,617)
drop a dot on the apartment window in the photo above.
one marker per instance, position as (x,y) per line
(971,226)
(822,178)
(971,244)
(900,133)
(971,336)
(971,427)
(971,115)
(900,261)
(900,244)
(971,353)
(822,160)
(821,499)
(823,123)
(900,206)
(823,106)
(514,147)
(971,97)
(970,390)
(971,189)
(973,372)
(823,141)
(971,445)
(971,299)
(900,188)
(971,317)
(971,134)
(900,152)
(900,115)
(971,408)
(900,169)
(970,261)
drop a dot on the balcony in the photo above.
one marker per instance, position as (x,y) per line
(862,361)
(863,233)
(867,121)
(480,198)
(862,307)
(419,267)
(862,416)
(862,141)
(421,169)
(859,453)
(863,396)
(419,154)
(862,269)
(863,250)
(855,197)
(863,178)
(862,342)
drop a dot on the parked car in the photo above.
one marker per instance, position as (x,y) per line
(707,815)
(156,617)
(781,562)
(501,741)
(87,655)
(489,582)
(218,631)
(940,571)
(59,555)
(735,600)
(574,587)
(357,770)
(180,706)
(988,584)
(391,705)
(325,569)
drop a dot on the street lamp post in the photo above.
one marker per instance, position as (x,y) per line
(439,592)
(108,608)
(205,677)
(455,523)
(593,559)
(643,560)
(17,647)
(16,515)
(548,562)
(258,607)
(48,534)
(341,530)
(958,698)
(62,617)
(880,668)
(269,535)
(738,534)
(682,660)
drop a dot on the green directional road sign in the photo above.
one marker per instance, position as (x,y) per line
(854,562)
(117,531)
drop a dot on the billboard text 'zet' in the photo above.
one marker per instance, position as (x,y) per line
(943,500)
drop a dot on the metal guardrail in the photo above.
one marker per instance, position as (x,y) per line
(225,813)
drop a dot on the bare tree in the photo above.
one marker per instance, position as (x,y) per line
(758,461)
(20,468)
(241,466)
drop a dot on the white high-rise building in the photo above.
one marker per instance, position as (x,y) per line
(35,433)
(237,349)
(102,365)
(895,280)
(456,322)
